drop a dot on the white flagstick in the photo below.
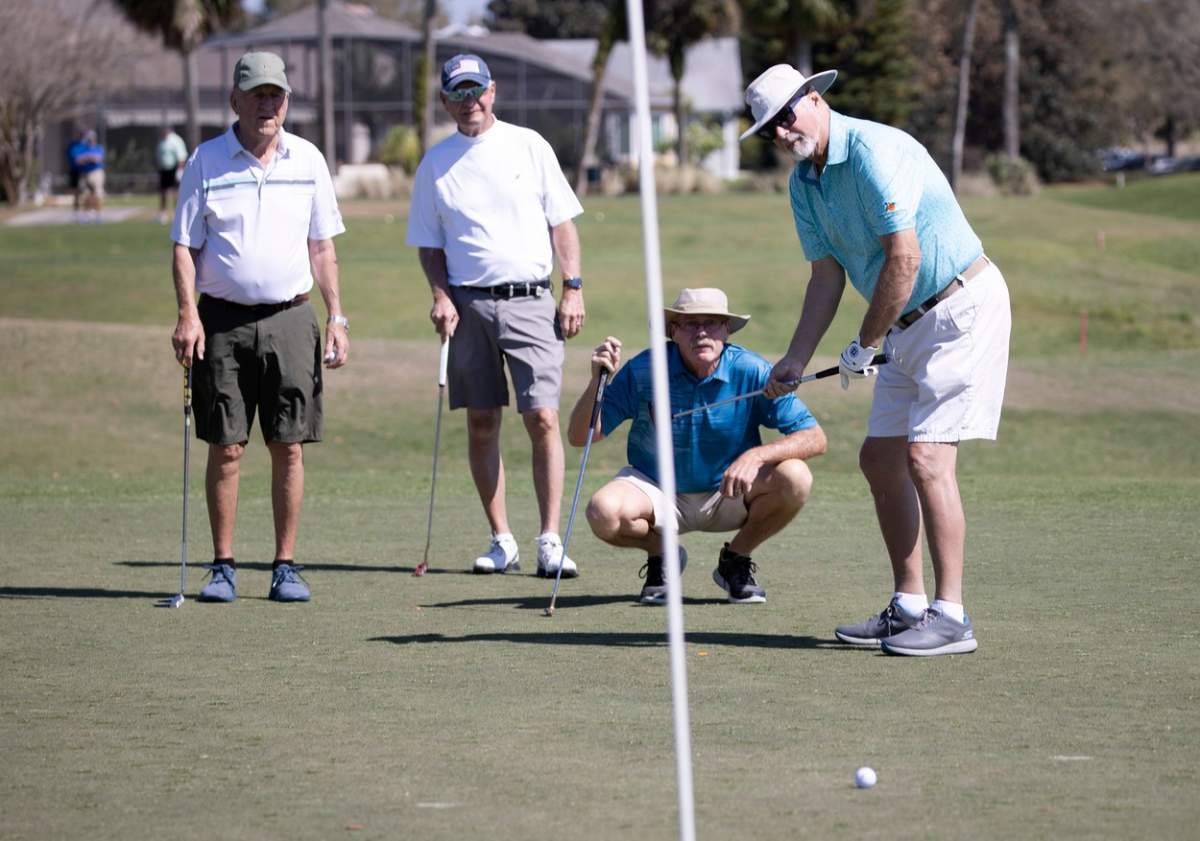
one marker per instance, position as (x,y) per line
(662,421)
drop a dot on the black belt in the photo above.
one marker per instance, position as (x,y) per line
(910,317)
(513,290)
(260,310)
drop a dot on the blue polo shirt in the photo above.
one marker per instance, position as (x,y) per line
(706,443)
(879,180)
(89,149)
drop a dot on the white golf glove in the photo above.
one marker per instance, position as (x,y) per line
(856,361)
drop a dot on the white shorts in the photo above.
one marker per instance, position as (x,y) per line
(705,511)
(944,381)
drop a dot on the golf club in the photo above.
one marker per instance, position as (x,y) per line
(423,567)
(820,375)
(177,600)
(587,448)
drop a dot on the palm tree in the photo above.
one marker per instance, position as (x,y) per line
(610,33)
(183,25)
(964,91)
(678,24)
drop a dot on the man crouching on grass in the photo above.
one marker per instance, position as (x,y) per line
(727,479)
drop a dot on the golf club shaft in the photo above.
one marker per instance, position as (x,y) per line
(587,448)
(437,437)
(880,359)
(187,441)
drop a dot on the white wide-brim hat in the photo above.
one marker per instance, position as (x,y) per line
(770,92)
(704,301)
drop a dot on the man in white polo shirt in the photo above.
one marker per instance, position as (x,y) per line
(490,211)
(254,225)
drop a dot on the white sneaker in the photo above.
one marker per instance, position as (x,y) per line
(502,556)
(549,554)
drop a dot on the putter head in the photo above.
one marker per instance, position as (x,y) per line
(421,569)
(548,612)
(172,601)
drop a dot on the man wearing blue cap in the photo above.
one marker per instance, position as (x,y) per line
(254,226)
(490,211)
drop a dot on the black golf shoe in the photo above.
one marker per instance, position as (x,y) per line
(735,575)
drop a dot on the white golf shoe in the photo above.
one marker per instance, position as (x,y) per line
(550,554)
(502,556)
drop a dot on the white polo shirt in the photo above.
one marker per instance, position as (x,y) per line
(251,224)
(488,201)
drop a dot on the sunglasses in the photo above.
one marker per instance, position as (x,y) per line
(784,118)
(466,93)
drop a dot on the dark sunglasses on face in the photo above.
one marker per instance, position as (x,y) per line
(466,93)
(783,119)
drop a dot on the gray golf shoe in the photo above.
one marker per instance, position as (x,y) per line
(655,589)
(892,620)
(936,633)
(222,586)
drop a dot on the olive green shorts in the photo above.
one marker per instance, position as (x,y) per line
(269,364)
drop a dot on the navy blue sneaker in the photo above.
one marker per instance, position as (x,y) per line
(287,585)
(222,587)
(735,575)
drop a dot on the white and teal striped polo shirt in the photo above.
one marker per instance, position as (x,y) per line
(878,180)
(252,225)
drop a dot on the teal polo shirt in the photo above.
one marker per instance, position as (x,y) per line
(879,180)
(705,443)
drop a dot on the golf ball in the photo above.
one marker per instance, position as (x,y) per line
(865,777)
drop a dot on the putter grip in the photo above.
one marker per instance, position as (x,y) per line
(445,362)
(599,398)
(880,359)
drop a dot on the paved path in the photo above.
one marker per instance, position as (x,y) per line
(67,216)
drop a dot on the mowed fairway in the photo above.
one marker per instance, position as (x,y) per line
(448,707)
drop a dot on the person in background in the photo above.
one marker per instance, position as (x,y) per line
(170,154)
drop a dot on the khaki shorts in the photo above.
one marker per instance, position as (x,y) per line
(270,365)
(522,333)
(944,381)
(93,182)
(703,511)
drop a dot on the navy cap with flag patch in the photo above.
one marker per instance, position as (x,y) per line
(465,67)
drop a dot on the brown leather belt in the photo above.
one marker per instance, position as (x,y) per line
(260,310)
(910,317)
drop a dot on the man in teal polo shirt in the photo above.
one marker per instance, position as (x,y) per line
(869,202)
(727,479)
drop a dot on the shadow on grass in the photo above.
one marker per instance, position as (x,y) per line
(307,567)
(79,593)
(539,601)
(620,639)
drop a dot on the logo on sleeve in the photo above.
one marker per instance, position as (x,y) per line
(889,207)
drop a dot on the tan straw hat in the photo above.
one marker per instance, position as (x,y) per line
(704,302)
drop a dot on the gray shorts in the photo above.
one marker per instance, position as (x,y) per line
(522,333)
(269,365)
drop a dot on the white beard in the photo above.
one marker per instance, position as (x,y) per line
(803,148)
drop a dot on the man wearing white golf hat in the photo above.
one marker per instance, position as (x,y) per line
(869,202)
(727,479)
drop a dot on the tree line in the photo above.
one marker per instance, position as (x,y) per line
(1050,81)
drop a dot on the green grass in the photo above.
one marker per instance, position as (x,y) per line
(448,707)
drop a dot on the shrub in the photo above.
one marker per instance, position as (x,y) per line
(1012,176)
(401,148)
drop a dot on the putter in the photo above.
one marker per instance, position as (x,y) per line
(423,567)
(177,600)
(587,448)
(820,375)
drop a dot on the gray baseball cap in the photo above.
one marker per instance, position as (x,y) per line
(254,69)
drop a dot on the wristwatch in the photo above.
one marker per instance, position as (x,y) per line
(572,283)
(340,320)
